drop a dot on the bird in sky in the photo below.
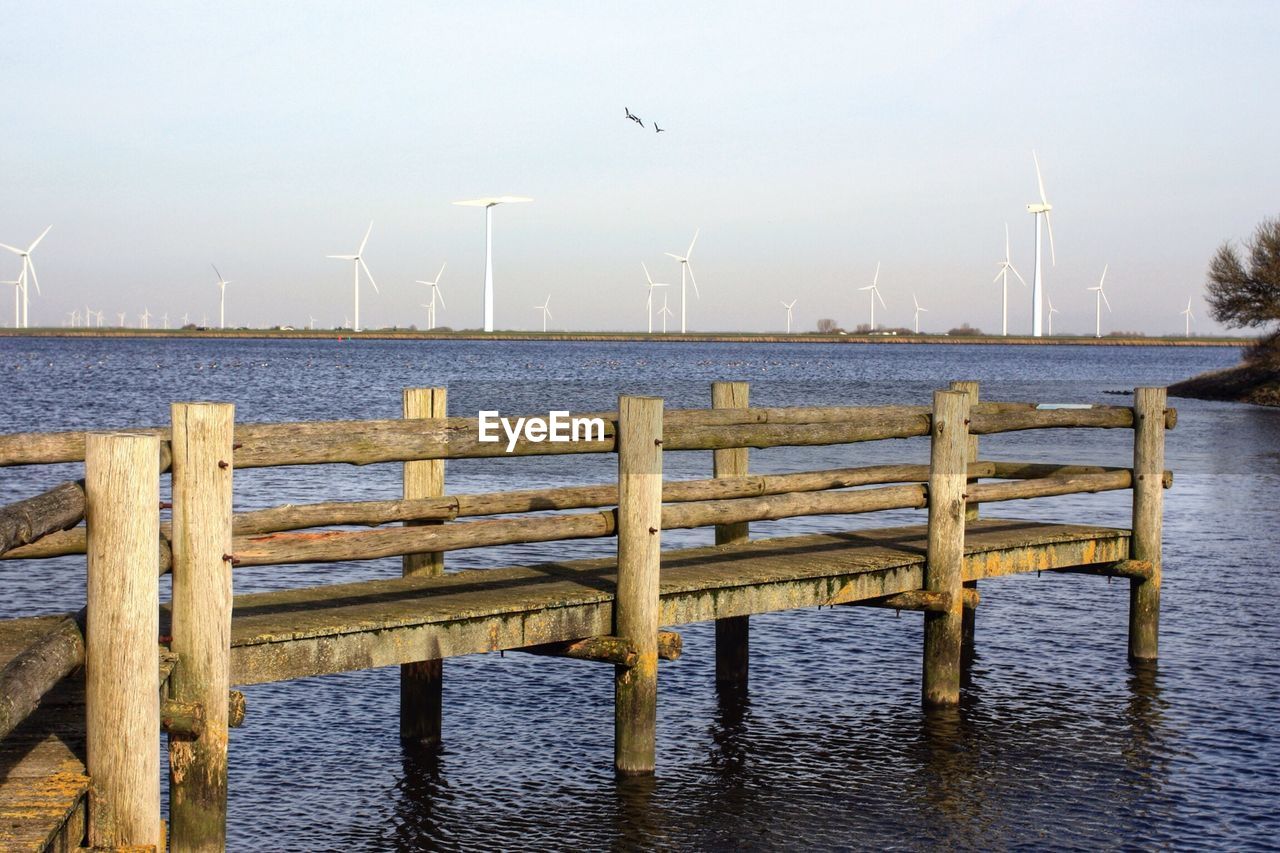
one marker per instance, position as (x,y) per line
(634,118)
(657,129)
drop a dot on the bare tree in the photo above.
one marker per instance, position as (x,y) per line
(827,326)
(1245,291)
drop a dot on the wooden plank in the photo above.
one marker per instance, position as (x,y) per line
(296,633)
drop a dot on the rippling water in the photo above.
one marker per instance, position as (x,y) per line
(1058,741)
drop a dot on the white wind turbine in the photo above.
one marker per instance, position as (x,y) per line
(312,324)
(918,310)
(546,312)
(435,293)
(1052,311)
(684,266)
(1100,298)
(648,303)
(875,294)
(164,320)
(27,268)
(145,317)
(357,264)
(789,306)
(665,312)
(186,320)
(1006,267)
(222,297)
(120,317)
(1037,288)
(489,204)
(1186,312)
(17,301)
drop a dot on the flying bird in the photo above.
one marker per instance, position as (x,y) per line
(634,118)
(657,129)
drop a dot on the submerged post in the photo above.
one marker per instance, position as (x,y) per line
(122,676)
(1148,510)
(202,466)
(635,611)
(733,633)
(970,514)
(945,559)
(422,682)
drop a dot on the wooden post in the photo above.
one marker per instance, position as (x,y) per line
(422,682)
(202,466)
(635,611)
(945,560)
(122,675)
(733,633)
(1148,510)
(970,514)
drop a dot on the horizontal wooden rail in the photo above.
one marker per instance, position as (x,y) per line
(29,520)
(35,671)
(399,440)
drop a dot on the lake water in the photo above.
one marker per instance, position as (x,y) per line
(1058,742)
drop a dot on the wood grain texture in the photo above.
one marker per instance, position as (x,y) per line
(948,456)
(1148,513)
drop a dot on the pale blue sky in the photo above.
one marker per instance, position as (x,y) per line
(808,141)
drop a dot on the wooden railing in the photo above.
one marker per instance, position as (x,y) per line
(127,547)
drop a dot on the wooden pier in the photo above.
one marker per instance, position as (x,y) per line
(85,697)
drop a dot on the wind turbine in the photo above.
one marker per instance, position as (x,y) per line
(875,294)
(145,317)
(186,320)
(222,295)
(489,204)
(357,263)
(1098,300)
(17,301)
(312,325)
(546,312)
(120,316)
(164,320)
(435,292)
(27,267)
(1036,210)
(648,303)
(1006,267)
(665,313)
(1052,311)
(918,310)
(684,266)
(1186,312)
(789,306)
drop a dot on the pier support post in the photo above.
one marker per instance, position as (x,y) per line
(122,677)
(636,606)
(945,559)
(1148,511)
(202,473)
(733,633)
(970,514)
(422,682)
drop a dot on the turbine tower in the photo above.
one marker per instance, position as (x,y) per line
(1052,311)
(665,312)
(1186,312)
(684,266)
(918,310)
(358,263)
(1037,210)
(27,268)
(546,312)
(875,294)
(17,301)
(489,204)
(1006,267)
(1100,298)
(789,306)
(222,298)
(648,303)
(435,293)
(145,317)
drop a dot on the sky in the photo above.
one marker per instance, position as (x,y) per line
(807,141)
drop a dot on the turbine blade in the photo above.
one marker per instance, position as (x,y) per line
(32,247)
(1039,180)
(648,277)
(876,280)
(11,249)
(689,253)
(35,278)
(1014,270)
(367,232)
(442,266)
(997,278)
(343,257)
(440,296)
(1006,242)
(668,254)
(1103,294)
(1104,276)
(215,271)
(1053,255)
(692,279)
(876,291)
(364,267)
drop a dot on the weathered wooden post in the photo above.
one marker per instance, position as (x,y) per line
(635,611)
(1148,510)
(202,472)
(945,560)
(122,676)
(733,633)
(970,514)
(421,682)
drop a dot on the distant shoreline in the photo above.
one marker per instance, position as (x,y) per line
(622,337)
